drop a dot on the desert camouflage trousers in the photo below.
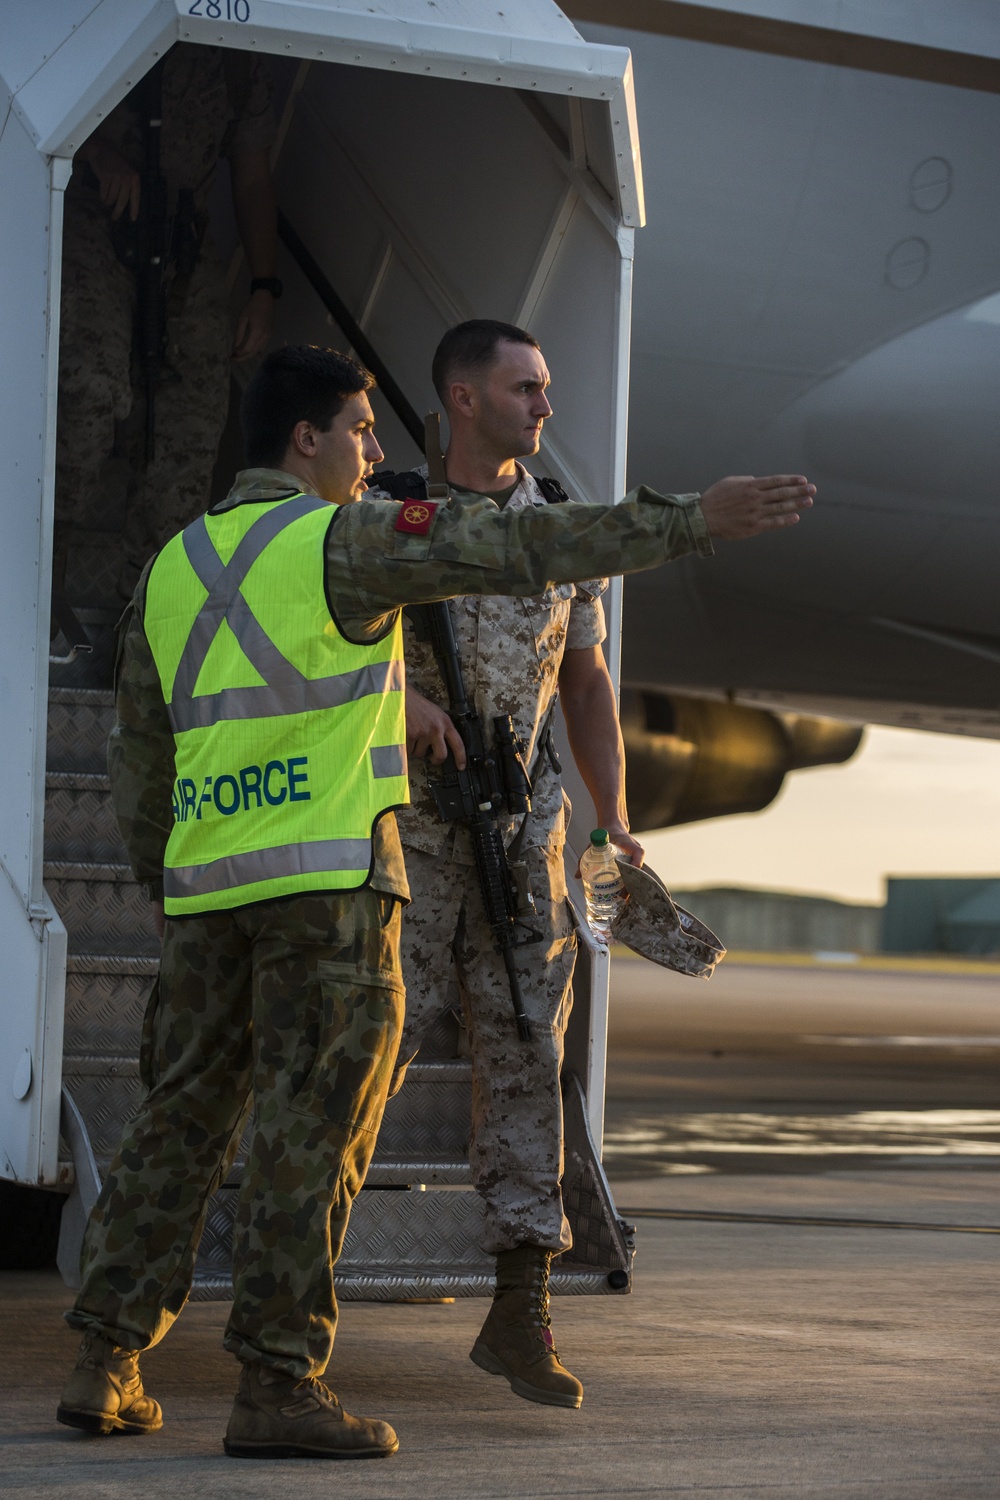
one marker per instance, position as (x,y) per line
(449,958)
(293,1008)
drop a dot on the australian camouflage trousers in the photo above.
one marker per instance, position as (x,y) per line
(287,1013)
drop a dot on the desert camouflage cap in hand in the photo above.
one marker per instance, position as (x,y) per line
(654,926)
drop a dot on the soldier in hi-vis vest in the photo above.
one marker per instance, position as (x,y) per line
(257,754)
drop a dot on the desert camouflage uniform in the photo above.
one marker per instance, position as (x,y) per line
(511,652)
(295,1003)
(97,373)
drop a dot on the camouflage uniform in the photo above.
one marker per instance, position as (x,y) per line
(294,1004)
(96,373)
(511,652)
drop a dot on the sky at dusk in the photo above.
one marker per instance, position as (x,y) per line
(908,804)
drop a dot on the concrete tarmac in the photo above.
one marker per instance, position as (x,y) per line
(751,1360)
(814,1010)
(762,1353)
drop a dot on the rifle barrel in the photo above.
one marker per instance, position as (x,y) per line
(523,1024)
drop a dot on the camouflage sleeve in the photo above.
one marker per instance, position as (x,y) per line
(586,626)
(141,753)
(479,549)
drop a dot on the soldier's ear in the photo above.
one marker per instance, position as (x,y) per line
(303,439)
(461,402)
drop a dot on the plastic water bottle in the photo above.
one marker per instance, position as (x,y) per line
(602,884)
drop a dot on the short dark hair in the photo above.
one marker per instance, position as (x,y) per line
(473,346)
(300,383)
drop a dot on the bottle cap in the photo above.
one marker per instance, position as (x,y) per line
(599,838)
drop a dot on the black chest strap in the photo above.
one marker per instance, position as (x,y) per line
(410,485)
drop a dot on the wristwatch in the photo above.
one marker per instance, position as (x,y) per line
(267,284)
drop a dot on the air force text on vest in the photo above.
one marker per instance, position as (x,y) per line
(244,790)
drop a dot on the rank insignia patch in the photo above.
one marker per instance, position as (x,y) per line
(416,516)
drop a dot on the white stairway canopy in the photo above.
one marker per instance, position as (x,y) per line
(441,159)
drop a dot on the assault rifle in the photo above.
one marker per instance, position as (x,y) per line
(493,781)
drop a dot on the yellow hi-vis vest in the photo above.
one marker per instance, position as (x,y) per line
(290,740)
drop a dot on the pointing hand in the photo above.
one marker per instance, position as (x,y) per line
(742,506)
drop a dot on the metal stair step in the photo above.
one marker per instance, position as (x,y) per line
(401,1245)
(95,560)
(79,723)
(428,1120)
(80,822)
(400,1172)
(105,1001)
(103,908)
(106,1091)
(78,781)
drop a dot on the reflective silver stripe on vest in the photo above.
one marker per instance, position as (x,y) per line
(281,863)
(226,603)
(296,696)
(388,760)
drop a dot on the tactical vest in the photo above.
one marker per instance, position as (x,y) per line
(290,739)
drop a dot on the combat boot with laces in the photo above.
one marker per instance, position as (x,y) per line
(104,1394)
(279,1416)
(516,1339)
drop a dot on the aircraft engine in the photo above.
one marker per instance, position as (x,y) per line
(693,758)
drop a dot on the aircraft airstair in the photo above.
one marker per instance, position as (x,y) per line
(389,117)
(415,1227)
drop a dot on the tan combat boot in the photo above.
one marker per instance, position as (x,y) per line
(516,1339)
(277,1416)
(104,1393)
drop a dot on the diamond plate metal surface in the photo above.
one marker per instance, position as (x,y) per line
(214,1266)
(105,1003)
(428,1244)
(399,1172)
(106,1091)
(95,560)
(429,1118)
(80,721)
(595,1244)
(80,823)
(103,908)
(444,1038)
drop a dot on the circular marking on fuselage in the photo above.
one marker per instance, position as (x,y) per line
(931,183)
(907,263)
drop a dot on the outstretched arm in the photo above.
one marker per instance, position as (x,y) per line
(595,738)
(257,219)
(375,562)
